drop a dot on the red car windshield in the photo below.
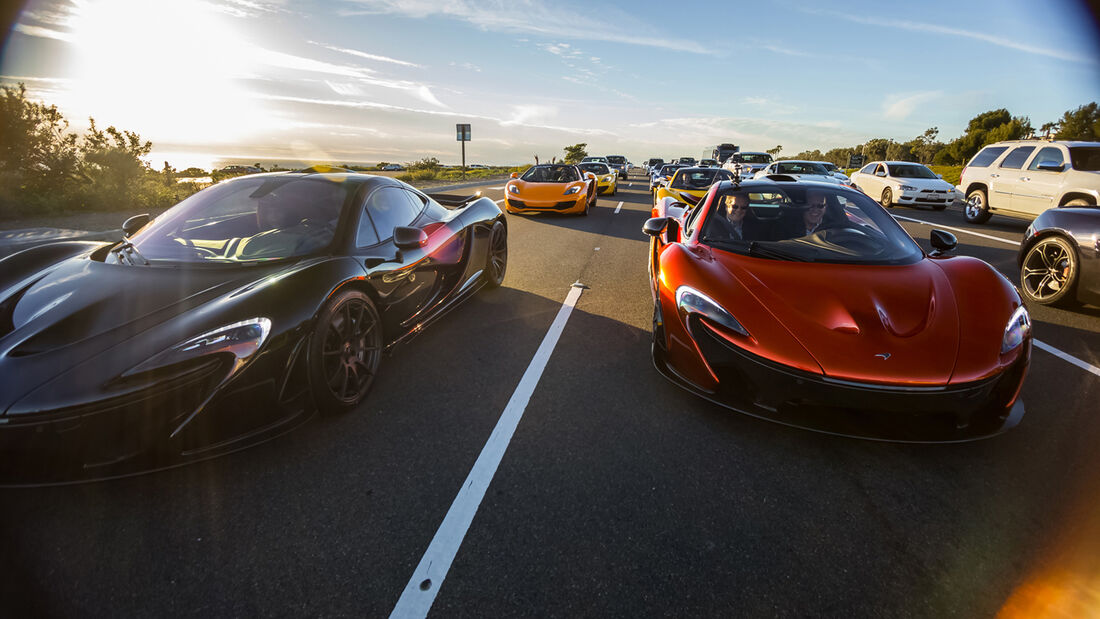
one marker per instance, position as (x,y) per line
(805,224)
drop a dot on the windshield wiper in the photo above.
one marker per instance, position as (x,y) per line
(126,251)
(756,250)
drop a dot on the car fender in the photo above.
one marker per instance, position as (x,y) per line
(23,267)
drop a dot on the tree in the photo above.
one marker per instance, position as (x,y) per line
(774,152)
(113,164)
(575,153)
(985,128)
(37,150)
(1080,124)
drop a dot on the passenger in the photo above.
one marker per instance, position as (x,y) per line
(814,213)
(736,220)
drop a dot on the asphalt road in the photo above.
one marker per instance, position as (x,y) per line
(618,495)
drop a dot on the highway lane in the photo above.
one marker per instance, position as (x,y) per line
(619,494)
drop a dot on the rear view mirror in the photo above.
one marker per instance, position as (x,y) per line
(135,223)
(515,174)
(655,225)
(590,175)
(942,241)
(405,237)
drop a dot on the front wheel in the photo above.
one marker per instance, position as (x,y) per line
(497,261)
(1077,202)
(977,207)
(344,352)
(887,199)
(1048,274)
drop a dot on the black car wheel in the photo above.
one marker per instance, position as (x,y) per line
(345,350)
(1048,274)
(887,199)
(977,207)
(658,344)
(497,262)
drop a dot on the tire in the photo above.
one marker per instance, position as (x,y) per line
(496,263)
(658,346)
(1048,273)
(887,199)
(1077,202)
(976,210)
(345,350)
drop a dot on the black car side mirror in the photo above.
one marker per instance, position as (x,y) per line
(135,223)
(655,225)
(405,237)
(942,242)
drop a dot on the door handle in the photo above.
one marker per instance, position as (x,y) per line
(994,176)
(1025,178)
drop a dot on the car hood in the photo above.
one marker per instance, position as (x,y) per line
(546,191)
(886,324)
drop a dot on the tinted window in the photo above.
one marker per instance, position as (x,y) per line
(692,219)
(901,170)
(868,169)
(1017,157)
(616,159)
(1085,158)
(365,236)
(1049,155)
(390,207)
(987,156)
(694,179)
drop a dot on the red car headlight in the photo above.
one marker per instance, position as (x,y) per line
(691,301)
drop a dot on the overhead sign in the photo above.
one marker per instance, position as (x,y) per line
(463,132)
(855,161)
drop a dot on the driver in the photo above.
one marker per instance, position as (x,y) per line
(815,212)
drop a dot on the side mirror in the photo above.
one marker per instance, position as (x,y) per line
(939,176)
(880,173)
(655,225)
(135,223)
(1052,167)
(942,242)
(405,237)
(515,174)
(590,175)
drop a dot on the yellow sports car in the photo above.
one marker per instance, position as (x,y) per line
(558,188)
(606,180)
(690,184)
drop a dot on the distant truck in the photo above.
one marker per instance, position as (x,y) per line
(721,152)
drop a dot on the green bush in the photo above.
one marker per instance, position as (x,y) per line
(951,173)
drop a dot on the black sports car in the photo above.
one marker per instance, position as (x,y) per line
(1059,257)
(242,309)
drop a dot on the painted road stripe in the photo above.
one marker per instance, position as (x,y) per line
(501,187)
(1067,357)
(498,201)
(984,236)
(630,184)
(1064,356)
(618,208)
(419,594)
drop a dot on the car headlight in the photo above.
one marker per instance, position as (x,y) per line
(1018,329)
(240,339)
(513,189)
(691,301)
(572,190)
(907,188)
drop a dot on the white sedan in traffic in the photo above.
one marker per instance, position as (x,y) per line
(905,183)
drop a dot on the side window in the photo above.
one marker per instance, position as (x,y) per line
(692,219)
(880,170)
(416,203)
(987,156)
(390,207)
(365,236)
(1017,157)
(868,169)
(1051,155)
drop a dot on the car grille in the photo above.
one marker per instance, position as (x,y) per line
(516,203)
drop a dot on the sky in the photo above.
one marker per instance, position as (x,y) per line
(211,82)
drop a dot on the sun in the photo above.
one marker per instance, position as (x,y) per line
(170,70)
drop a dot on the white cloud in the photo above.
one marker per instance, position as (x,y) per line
(42,33)
(900,106)
(532,17)
(355,52)
(523,114)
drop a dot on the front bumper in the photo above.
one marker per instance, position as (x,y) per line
(574,205)
(897,413)
(929,197)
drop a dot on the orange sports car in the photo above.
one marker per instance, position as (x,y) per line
(807,304)
(556,188)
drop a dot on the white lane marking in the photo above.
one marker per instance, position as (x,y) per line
(1067,357)
(501,187)
(630,184)
(618,208)
(419,594)
(1064,356)
(984,236)
(498,201)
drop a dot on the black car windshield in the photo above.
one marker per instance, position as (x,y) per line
(805,224)
(551,174)
(669,169)
(752,158)
(800,167)
(616,159)
(1086,158)
(829,166)
(595,168)
(901,170)
(250,219)
(694,179)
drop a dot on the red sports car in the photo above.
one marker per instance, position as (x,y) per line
(807,304)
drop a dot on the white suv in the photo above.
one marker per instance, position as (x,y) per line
(1023,178)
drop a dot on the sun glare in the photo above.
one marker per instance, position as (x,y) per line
(166,69)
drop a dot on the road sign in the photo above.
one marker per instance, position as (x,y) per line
(855,161)
(463,132)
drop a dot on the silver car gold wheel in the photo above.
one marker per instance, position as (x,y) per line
(1048,274)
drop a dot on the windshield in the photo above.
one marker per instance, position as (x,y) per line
(551,174)
(1086,158)
(250,219)
(595,168)
(806,224)
(800,167)
(910,171)
(667,170)
(752,158)
(694,179)
(616,159)
(829,166)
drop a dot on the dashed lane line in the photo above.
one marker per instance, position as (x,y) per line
(618,208)
(963,230)
(419,594)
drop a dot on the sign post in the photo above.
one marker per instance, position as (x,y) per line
(463,135)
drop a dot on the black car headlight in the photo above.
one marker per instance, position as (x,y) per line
(1017,330)
(691,301)
(572,190)
(240,339)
